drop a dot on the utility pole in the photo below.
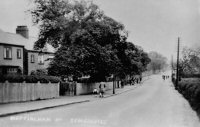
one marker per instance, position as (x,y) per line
(172,66)
(113,84)
(177,67)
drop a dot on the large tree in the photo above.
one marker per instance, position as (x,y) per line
(87,41)
(190,61)
(158,62)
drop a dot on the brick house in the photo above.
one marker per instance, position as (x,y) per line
(38,60)
(17,54)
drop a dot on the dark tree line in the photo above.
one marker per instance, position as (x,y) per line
(87,42)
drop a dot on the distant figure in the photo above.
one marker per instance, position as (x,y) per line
(132,81)
(122,84)
(104,88)
(163,77)
(101,90)
(140,79)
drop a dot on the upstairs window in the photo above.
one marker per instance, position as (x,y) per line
(41,59)
(32,58)
(7,53)
(19,54)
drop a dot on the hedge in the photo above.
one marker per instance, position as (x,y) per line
(190,89)
(190,75)
(29,79)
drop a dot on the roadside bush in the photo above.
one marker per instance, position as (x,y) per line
(190,75)
(40,72)
(29,79)
(190,89)
(12,78)
(54,79)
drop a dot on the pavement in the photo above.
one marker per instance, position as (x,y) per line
(31,106)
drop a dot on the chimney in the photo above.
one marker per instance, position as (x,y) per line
(22,30)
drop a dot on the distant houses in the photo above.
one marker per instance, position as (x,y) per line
(17,54)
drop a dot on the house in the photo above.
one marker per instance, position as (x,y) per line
(17,54)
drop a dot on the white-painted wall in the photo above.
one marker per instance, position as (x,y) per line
(86,88)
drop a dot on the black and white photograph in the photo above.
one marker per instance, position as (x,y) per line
(99,63)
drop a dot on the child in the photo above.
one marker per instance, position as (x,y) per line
(95,92)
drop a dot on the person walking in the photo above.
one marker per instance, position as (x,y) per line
(140,78)
(137,79)
(101,90)
(163,77)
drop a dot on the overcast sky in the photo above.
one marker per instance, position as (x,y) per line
(152,24)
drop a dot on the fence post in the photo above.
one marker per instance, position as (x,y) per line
(75,83)
(58,90)
(5,92)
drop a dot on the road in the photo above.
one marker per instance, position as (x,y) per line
(153,104)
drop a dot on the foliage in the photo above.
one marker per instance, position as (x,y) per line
(88,42)
(39,72)
(183,75)
(158,62)
(190,89)
(12,78)
(190,62)
(29,79)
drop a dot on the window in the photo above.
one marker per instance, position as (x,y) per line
(12,70)
(19,54)
(7,53)
(32,58)
(41,59)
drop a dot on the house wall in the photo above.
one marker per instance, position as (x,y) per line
(14,61)
(36,65)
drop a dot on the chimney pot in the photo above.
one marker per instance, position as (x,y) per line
(23,30)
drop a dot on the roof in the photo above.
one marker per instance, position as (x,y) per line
(17,39)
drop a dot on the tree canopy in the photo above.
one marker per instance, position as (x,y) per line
(190,61)
(158,62)
(88,42)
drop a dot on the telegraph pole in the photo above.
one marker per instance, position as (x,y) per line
(113,84)
(177,66)
(172,66)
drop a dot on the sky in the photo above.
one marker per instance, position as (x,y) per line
(154,25)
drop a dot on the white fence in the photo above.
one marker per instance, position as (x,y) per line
(86,88)
(18,92)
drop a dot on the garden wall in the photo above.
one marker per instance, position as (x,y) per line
(87,88)
(19,92)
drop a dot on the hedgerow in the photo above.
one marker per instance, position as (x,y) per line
(29,79)
(190,89)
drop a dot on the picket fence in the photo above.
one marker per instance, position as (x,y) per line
(20,92)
